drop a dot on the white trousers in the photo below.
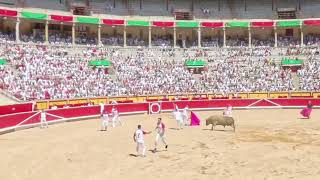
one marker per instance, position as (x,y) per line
(141,146)
(116,120)
(43,123)
(104,124)
(160,137)
(180,123)
(185,119)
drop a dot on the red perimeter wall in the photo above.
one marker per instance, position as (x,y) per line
(10,120)
(15,108)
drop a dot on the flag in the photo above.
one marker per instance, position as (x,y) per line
(195,121)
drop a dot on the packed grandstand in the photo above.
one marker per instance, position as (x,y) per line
(125,49)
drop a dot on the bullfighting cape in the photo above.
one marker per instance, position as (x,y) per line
(195,121)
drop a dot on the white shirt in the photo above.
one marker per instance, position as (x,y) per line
(178,115)
(115,112)
(101,107)
(228,111)
(160,128)
(105,117)
(185,111)
(139,136)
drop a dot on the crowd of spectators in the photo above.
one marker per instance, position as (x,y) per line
(237,41)
(30,38)
(162,41)
(112,40)
(37,71)
(309,75)
(83,39)
(312,40)
(60,39)
(65,38)
(256,42)
(211,42)
(136,41)
(7,37)
(248,75)
(288,41)
(41,72)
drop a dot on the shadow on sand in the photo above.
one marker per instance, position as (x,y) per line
(157,151)
(177,129)
(133,155)
(219,130)
(304,118)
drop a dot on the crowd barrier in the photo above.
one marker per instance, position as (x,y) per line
(106,100)
(11,122)
(16,108)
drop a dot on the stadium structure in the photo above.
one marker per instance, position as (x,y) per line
(195,36)
(76,59)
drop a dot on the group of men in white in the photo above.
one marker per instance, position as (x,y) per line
(182,118)
(138,138)
(106,118)
(180,115)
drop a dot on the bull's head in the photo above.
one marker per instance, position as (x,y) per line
(207,122)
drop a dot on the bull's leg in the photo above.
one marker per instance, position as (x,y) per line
(234,127)
(212,127)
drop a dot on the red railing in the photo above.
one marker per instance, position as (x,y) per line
(33,117)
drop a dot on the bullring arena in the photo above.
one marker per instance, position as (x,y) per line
(268,144)
(72,70)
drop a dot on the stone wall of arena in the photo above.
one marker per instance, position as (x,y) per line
(151,104)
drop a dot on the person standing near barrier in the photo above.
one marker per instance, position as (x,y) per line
(179,118)
(228,111)
(186,115)
(160,129)
(115,117)
(101,107)
(306,112)
(104,120)
(138,138)
(43,119)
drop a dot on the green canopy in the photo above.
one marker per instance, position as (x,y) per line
(195,63)
(291,62)
(104,63)
(138,23)
(86,20)
(241,24)
(295,23)
(31,15)
(3,62)
(187,24)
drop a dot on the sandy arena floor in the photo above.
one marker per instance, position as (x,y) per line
(268,144)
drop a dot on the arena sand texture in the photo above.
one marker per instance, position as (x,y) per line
(268,144)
